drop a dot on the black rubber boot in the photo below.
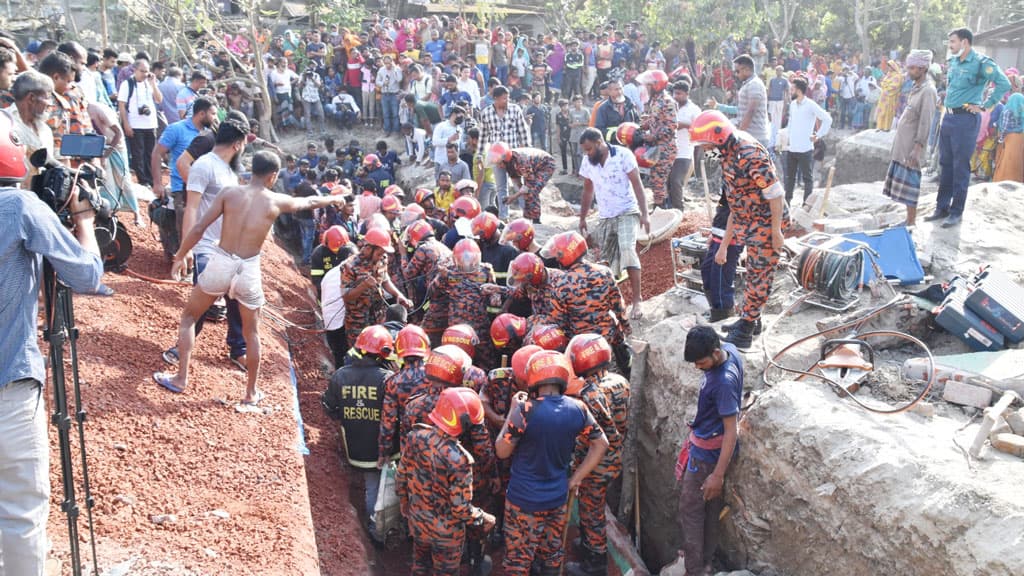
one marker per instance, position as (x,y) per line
(726,328)
(719,314)
(590,564)
(741,335)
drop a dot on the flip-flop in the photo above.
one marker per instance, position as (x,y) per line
(237,362)
(253,406)
(170,356)
(167,381)
(636,313)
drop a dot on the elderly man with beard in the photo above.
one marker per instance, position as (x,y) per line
(32,93)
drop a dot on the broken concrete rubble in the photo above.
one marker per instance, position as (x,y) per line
(863,157)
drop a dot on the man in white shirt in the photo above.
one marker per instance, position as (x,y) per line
(415,143)
(449,131)
(389,80)
(610,175)
(683,165)
(847,97)
(137,99)
(313,108)
(808,123)
(469,86)
(343,109)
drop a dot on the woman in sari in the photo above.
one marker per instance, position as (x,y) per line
(1010,154)
(888,101)
(983,159)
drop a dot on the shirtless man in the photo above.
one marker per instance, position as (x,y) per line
(234,268)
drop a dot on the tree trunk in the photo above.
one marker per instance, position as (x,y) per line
(915,37)
(861,17)
(104,30)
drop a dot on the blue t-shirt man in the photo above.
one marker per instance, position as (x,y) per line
(540,463)
(436,49)
(176,138)
(721,393)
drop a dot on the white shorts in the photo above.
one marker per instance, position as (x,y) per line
(239,278)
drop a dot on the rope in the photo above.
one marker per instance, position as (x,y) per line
(134,274)
(832,275)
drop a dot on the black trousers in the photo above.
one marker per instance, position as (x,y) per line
(799,161)
(338,343)
(140,146)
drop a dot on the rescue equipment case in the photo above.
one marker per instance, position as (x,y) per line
(960,321)
(998,300)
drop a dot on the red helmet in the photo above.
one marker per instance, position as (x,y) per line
(710,127)
(334,238)
(394,190)
(527,268)
(371,161)
(656,79)
(380,238)
(375,340)
(412,213)
(422,195)
(465,207)
(548,337)
(419,231)
(507,329)
(519,361)
(12,153)
(588,352)
(626,134)
(566,248)
(456,409)
(485,226)
(548,367)
(641,158)
(447,364)
(466,255)
(391,204)
(499,152)
(519,233)
(463,336)
(412,341)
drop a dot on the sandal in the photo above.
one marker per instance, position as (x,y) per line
(170,356)
(167,381)
(237,361)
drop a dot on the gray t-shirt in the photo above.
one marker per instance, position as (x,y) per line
(753,94)
(209,175)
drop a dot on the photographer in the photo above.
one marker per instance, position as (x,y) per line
(33,231)
(137,99)
(309,88)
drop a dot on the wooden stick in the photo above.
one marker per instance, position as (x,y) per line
(828,190)
(707,190)
(565,529)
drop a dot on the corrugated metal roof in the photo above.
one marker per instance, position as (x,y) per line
(1013,32)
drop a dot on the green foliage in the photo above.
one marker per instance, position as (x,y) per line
(346,13)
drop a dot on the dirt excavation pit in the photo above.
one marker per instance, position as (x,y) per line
(820,485)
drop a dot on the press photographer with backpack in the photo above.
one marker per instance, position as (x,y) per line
(33,231)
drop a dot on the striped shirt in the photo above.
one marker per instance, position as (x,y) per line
(509,127)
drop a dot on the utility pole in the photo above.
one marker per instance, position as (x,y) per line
(104,31)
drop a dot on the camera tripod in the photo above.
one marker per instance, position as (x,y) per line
(60,328)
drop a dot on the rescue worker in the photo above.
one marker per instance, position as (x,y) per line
(499,256)
(377,172)
(507,333)
(364,280)
(520,234)
(531,283)
(530,168)
(590,356)
(548,337)
(435,484)
(428,255)
(658,127)
(539,436)
(332,251)
(425,198)
(355,396)
(460,286)
(411,346)
(587,299)
(391,209)
(463,336)
(755,197)
(710,446)
(718,280)
(445,367)
(462,212)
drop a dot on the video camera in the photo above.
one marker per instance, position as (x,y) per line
(56,183)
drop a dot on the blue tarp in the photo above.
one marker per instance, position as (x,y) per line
(897,256)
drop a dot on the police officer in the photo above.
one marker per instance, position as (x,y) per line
(355,396)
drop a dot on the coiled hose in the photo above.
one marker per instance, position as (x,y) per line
(835,276)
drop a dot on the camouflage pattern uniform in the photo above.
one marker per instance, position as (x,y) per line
(541,298)
(370,307)
(418,272)
(475,378)
(467,305)
(594,488)
(536,167)
(660,121)
(435,481)
(587,299)
(409,381)
(746,171)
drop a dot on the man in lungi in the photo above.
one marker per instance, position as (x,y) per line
(903,182)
